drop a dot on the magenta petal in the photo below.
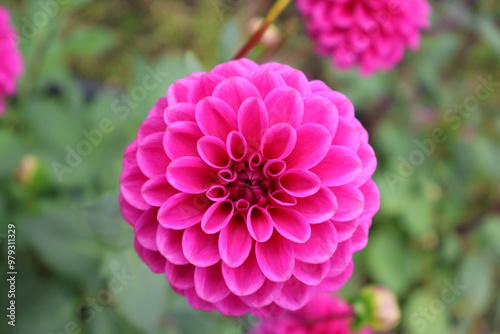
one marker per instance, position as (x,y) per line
(344,105)
(196,302)
(213,151)
(290,224)
(331,284)
(275,258)
(294,295)
(157,190)
(129,213)
(372,198)
(340,166)
(264,296)
(181,277)
(274,168)
(235,242)
(282,198)
(266,80)
(322,111)
(245,279)
(295,79)
(253,122)
(359,239)
(149,126)
(130,154)
(180,139)
(320,246)
(191,175)
(154,260)
(145,229)
(285,105)
(309,273)
(235,90)
(319,207)
(209,283)
(204,86)
(170,245)
(313,144)
(233,306)
(341,258)
(151,156)
(200,248)
(217,193)
(217,216)
(183,210)
(236,146)
(368,161)
(351,202)
(180,112)
(278,141)
(131,182)
(299,183)
(346,229)
(215,117)
(233,68)
(259,223)
(347,134)
(179,90)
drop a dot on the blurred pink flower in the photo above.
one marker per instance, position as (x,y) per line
(250,188)
(11,63)
(370,33)
(322,314)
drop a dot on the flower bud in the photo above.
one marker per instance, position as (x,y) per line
(380,309)
(26,169)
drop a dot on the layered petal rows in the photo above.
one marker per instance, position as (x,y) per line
(250,188)
(323,314)
(370,33)
(11,63)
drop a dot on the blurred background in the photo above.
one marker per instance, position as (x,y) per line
(433,121)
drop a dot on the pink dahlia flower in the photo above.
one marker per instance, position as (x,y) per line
(250,188)
(11,63)
(323,314)
(370,33)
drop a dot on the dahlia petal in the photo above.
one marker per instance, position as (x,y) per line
(264,296)
(346,229)
(234,91)
(368,161)
(320,110)
(154,260)
(265,80)
(285,105)
(299,183)
(181,277)
(359,239)
(341,258)
(294,294)
(340,166)
(236,146)
(282,198)
(145,229)
(275,258)
(217,217)
(217,193)
(151,157)
(200,248)
(157,190)
(318,207)
(347,134)
(274,168)
(351,202)
(158,109)
(129,213)
(259,223)
(321,245)
(231,69)
(183,210)
(131,182)
(245,279)
(290,224)
(296,79)
(278,141)
(215,117)
(234,242)
(213,151)
(180,112)
(179,90)
(196,302)
(309,273)
(169,244)
(232,306)
(371,196)
(180,139)
(343,104)
(313,144)
(204,86)
(209,283)
(330,284)
(253,122)
(190,175)
(149,126)
(130,154)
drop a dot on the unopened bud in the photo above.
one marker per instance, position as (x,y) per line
(26,169)
(378,308)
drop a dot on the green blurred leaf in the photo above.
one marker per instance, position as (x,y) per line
(90,41)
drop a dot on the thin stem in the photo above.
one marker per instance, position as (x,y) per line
(273,14)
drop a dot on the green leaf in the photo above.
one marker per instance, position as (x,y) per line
(425,312)
(90,41)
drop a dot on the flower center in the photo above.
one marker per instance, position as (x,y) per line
(250,185)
